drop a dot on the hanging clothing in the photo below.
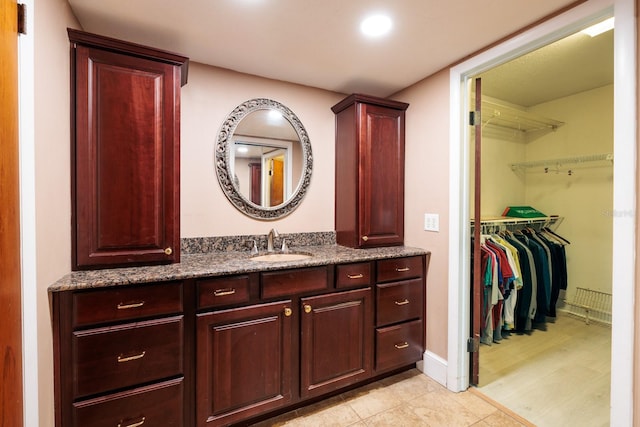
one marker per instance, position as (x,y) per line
(522,275)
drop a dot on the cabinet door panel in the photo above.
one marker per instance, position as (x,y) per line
(126,159)
(288,282)
(394,269)
(336,336)
(382,176)
(156,405)
(354,275)
(125,303)
(399,301)
(399,345)
(125,355)
(243,362)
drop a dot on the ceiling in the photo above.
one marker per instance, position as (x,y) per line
(318,43)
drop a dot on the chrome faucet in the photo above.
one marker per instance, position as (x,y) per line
(273,233)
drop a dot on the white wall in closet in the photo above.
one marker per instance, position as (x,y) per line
(584,197)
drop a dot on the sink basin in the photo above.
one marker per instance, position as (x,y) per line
(281,257)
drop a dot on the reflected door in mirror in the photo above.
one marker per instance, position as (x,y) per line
(255,183)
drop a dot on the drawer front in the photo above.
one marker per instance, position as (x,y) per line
(157,405)
(399,301)
(399,268)
(126,355)
(126,303)
(353,275)
(289,282)
(399,345)
(223,291)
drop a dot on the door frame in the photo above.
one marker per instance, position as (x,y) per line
(624,189)
(26,130)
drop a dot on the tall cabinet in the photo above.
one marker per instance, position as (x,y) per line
(369,171)
(125,149)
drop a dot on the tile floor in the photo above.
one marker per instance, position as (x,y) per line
(406,399)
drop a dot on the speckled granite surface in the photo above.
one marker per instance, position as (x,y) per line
(196,245)
(223,262)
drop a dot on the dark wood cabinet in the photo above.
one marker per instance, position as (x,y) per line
(122,356)
(231,349)
(369,196)
(400,311)
(243,362)
(335,344)
(125,113)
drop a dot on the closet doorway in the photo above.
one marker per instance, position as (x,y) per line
(547,143)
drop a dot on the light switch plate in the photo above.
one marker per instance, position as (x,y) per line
(431,222)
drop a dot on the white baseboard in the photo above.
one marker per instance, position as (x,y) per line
(434,367)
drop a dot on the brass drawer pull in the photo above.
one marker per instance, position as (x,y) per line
(355,276)
(123,306)
(307,308)
(402,269)
(122,359)
(401,346)
(287,311)
(223,292)
(138,424)
(405,302)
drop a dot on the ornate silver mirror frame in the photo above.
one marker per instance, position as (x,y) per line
(224,170)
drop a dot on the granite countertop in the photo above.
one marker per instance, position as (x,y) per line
(219,263)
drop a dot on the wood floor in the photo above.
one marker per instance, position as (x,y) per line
(557,377)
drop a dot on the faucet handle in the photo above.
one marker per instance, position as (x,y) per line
(285,248)
(254,249)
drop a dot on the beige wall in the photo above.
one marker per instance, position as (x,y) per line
(210,95)
(53,204)
(427,191)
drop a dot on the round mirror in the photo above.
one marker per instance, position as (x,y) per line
(263,159)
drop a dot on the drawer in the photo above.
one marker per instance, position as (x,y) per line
(399,268)
(109,358)
(156,405)
(399,345)
(126,303)
(289,282)
(399,301)
(222,291)
(352,275)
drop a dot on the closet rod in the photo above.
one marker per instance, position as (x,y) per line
(563,161)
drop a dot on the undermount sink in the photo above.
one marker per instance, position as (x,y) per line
(281,257)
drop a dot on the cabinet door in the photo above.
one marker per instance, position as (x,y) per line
(381,185)
(125,181)
(336,341)
(243,362)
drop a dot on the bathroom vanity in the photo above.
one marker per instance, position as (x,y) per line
(222,339)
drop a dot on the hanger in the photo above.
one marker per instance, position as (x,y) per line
(558,237)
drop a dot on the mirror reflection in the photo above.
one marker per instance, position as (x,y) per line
(263,159)
(266,158)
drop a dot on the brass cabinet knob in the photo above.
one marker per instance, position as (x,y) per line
(168,251)
(307,308)
(365,238)
(287,311)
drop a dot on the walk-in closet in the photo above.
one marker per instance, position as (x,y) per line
(547,144)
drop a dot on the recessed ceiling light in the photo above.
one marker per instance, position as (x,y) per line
(599,28)
(376,25)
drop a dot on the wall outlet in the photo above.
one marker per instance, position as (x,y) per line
(431,222)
